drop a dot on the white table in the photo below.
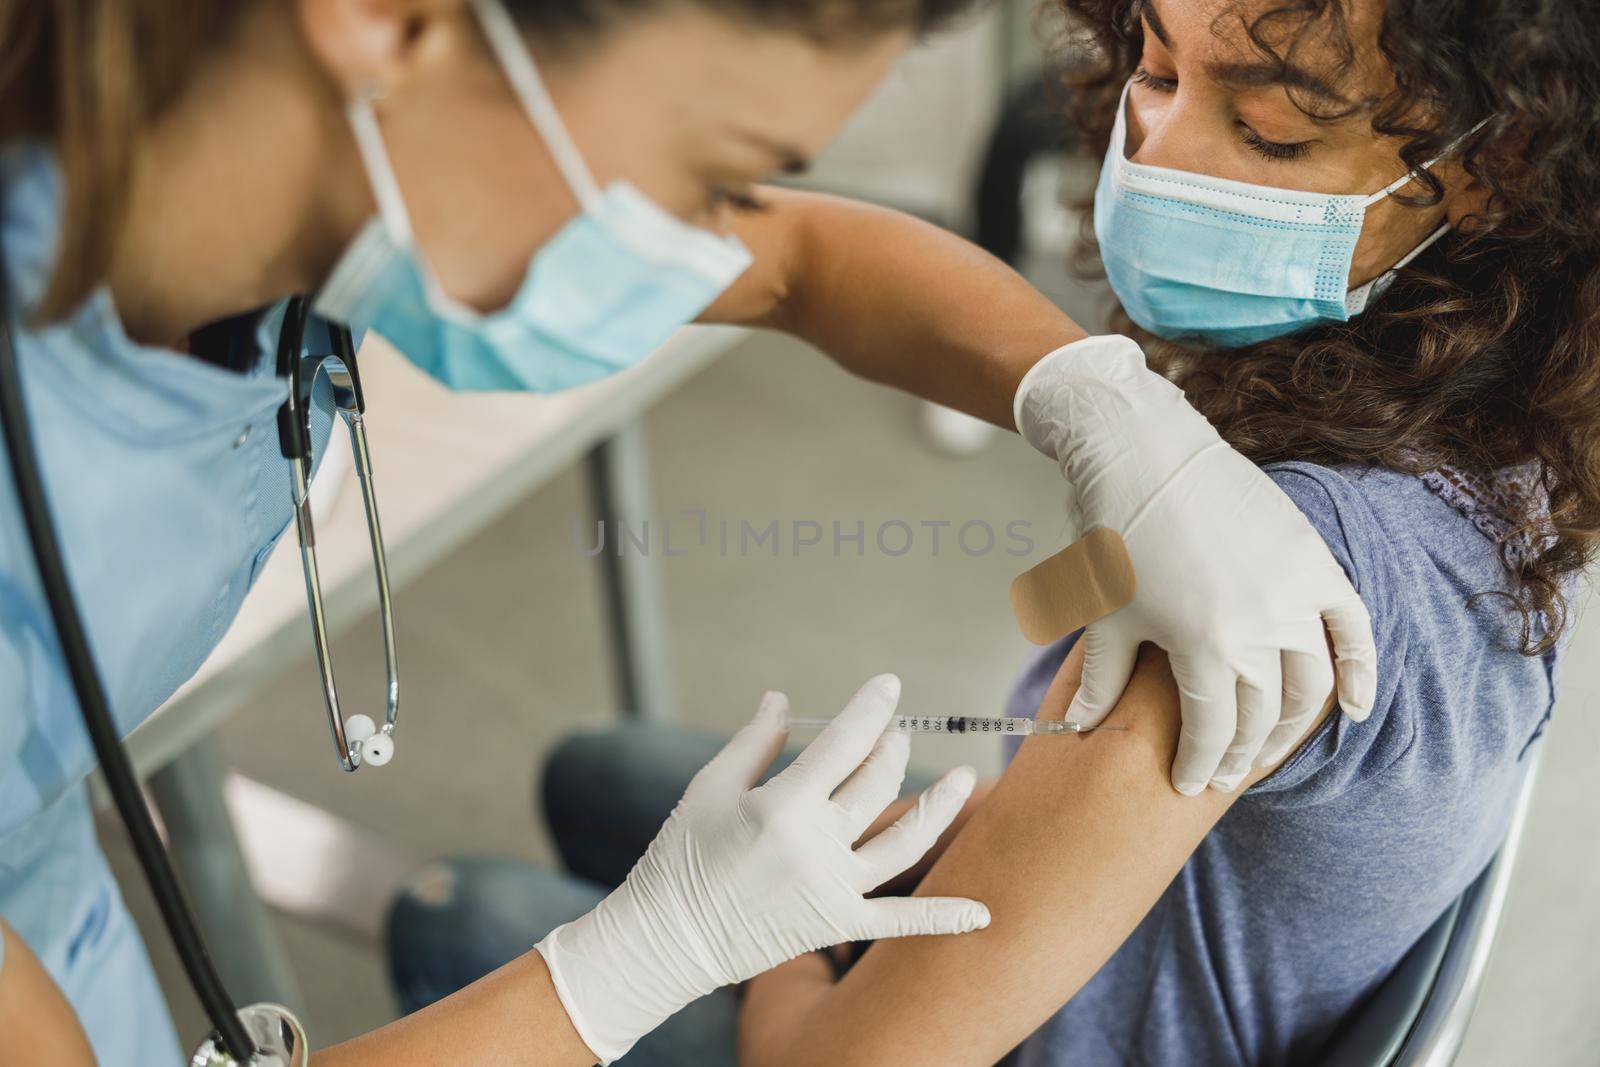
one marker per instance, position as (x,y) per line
(445,465)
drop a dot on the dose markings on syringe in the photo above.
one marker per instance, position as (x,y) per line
(947,724)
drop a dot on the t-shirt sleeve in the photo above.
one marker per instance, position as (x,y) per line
(1341,752)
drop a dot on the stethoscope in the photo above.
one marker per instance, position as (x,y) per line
(357,740)
(261,1034)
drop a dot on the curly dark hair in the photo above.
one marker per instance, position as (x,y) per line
(1484,354)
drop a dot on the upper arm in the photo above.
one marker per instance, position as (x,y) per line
(801,241)
(1076,844)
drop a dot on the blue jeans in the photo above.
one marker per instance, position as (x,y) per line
(605,796)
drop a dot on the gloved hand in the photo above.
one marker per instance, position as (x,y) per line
(1232,581)
(741,879)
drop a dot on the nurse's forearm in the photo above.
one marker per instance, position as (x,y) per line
(894,299)
(512,1016)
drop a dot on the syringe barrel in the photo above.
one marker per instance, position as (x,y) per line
(961,724)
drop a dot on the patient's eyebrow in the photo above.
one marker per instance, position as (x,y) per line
(1246,75)
(1240,74)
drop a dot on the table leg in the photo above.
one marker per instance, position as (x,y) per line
(243,936)
(619,475)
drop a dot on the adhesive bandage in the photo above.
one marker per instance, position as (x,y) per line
(1084,582)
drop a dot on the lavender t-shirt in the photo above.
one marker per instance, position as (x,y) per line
(1315,883)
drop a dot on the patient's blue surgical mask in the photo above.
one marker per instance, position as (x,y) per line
(603,293)
(1224,263)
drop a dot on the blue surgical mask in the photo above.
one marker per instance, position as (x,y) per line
(608,289)
(1223,263)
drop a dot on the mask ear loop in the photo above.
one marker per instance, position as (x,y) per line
(1412,175)
(380,171)
(391,204)
(1444,228)
(1356,300)
(1119,126)
(505,40)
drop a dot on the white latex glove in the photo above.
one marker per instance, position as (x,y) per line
(1232,581)
(740,880)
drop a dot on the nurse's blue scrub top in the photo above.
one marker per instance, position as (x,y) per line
(169,492)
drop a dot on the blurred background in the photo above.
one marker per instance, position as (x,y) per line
(508,631)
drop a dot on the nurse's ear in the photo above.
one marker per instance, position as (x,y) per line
(374,46)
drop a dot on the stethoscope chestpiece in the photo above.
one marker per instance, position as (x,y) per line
(279,1038)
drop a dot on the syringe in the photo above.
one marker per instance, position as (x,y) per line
(1014,725)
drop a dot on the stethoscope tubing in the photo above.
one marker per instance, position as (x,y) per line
(93,705)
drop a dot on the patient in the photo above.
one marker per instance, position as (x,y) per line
(1441,442)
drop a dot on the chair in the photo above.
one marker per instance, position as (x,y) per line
(1418,1017)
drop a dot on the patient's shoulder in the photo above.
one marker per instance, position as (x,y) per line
(1415,554)
(1445,653)
(1421,564)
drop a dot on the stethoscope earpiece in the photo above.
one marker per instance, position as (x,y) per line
(377,750)
(374,747)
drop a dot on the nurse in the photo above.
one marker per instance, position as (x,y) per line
(532,196)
